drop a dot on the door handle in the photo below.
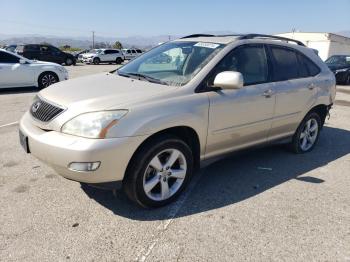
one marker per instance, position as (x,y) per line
(311,86)
(268,93)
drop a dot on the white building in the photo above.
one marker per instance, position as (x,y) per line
(327,44)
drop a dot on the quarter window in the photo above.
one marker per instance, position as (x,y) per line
(250,61)
(286,64)
(311,67)
(6,58)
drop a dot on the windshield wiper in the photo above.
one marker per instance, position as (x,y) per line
(144,77)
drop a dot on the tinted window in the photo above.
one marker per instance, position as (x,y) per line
(7,58)
(250,61)
(286,64)
(128,51)
(108,52)
(133,51)
(44,48)
(113,51)
(138,51)
(32,48)
(306,67)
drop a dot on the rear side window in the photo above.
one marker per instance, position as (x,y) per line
(113,51)
(308,68)
(8,58)
(286,64)
(133,51)
(31,48)
(138,51)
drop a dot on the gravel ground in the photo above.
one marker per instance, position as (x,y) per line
(262,205)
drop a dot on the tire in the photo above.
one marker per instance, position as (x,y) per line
(96,61)
(119,60)
(309,131)
(69,61)
(145,184)
(347,82)
(46,79)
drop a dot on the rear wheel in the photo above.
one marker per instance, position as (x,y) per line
(347,82)
(69,61)
(159,172)
(118,61)
(46,79)
(96,61)
(307,134)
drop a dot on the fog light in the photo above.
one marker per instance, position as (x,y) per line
(84,166)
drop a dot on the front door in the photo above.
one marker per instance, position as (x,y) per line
(240,118)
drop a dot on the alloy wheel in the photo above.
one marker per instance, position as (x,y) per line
(309,134)
(164,174)
(48,80)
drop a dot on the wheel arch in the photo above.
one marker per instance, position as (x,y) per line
(321,110)
(45,72)
(185,133)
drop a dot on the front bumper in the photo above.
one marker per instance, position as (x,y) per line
(341,77)
(58,150)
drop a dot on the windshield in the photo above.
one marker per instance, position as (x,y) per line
(174,63)
(342,60)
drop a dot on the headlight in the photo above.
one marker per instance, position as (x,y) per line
(341,70)
(94,124)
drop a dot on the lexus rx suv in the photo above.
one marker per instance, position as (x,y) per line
(148,126)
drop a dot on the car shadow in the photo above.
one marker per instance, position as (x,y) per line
(237,178)
(17,90)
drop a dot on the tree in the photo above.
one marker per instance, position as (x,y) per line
(118,45)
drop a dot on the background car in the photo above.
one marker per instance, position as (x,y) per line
(17,71)
(45,52)
(98,56)
(161,59)
(131,53)
(10,48)
(340,66)
(80,53)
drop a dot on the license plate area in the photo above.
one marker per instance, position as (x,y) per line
(23,139)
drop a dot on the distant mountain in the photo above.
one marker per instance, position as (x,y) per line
(85,42)
(344,33)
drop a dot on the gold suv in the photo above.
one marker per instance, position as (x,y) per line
(148,125)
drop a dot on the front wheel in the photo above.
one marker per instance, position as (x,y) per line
(307,134)
(47,79)
(118,61)
(96,61)
(159,172)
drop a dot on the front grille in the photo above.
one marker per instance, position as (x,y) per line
(44,111)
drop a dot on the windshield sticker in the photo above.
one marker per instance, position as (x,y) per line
(207,45)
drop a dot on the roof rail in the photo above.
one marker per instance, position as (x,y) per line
(251,36)
(197,35)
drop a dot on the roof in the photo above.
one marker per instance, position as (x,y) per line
(226,39)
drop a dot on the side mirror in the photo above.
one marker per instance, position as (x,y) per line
(22,61)
(229,80)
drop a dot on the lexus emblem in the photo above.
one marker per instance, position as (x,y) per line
(36,106)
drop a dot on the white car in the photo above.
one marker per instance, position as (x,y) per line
(131,53)
(17,71)
(103,55)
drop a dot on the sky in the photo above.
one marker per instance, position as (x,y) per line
(177,17)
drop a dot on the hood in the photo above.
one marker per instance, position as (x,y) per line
(334,67)
(102,92)
(88,54)
(38,62)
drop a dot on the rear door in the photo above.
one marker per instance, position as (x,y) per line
(240,118)
(294,88)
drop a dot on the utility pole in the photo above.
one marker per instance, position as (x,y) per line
(93,39)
